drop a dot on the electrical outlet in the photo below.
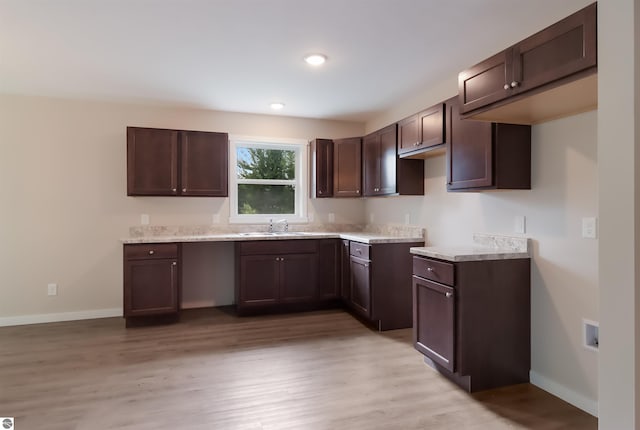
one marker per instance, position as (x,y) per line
(144,219)
(215,218)
(589,228)
(52,289)
(407,219)
(520,225)
(372,218)
(590,334)
(332,217)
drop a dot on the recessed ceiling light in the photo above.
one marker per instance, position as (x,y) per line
(276,106)
(315,59)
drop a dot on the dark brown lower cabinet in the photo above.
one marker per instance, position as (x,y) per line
(360,291)
(345,271)
(472,320)
(283,274)
(380,283)
(151,280)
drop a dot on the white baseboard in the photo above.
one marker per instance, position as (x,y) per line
(578,400)
(64,316)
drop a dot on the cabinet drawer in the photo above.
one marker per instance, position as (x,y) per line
(438,271)
(360,250)
(150,250)
(270,247)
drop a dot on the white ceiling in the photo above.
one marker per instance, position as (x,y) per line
(240,55)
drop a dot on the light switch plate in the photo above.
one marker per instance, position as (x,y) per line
(589,228)
(520,225)
(144,219)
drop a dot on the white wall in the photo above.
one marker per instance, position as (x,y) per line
(64,204)
(619,194)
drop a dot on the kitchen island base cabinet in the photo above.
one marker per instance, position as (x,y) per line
(379,290)
(472,320)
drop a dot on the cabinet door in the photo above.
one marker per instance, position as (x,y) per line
(361,286)
(371,163)
(321,168)
(347,173)
(469,151)
(408,134)
(432,126)
(434,321)
(565,48)
(152,162)
(259,278)
(328,268)
(486,82)
(345,271)
(379,151)
(388,155)
(150,287)
(298,277)
(204,166)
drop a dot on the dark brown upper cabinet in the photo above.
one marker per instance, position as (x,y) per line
(321,168)
(546,76)
(164,162)
(347,167)
(422,134)
(384,172)
(485,155)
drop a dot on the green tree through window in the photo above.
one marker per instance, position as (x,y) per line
(266,180)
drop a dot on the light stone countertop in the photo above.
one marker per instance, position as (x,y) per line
(485,247)
(393,234)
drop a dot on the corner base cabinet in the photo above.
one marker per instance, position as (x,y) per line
(151,280)
(379,283)
(471,320)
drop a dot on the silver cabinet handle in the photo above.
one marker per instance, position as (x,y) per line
(151,252)
(357,191)
(429,269)
(506,86)
(184,190)
(448,295)
(175,263)
(319,191)
(173,190)
(514,84)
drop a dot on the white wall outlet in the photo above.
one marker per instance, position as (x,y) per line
(589,228)
(52,289)
(215,219)
(520,224)
(372,218)
(407,219)
(311,216)
(332,217)
(590,334)
(144,219)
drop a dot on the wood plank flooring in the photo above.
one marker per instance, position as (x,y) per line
(313,371)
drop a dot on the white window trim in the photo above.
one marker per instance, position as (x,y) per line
(302,161)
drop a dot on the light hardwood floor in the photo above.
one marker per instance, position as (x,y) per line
(308,371)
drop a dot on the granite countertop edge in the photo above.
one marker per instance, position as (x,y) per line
(363,237)
(468,253)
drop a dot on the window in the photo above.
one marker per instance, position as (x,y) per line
(267,179)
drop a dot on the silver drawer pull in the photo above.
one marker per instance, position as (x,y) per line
(175,263)
(429,269)
(448,295)
(151,252)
